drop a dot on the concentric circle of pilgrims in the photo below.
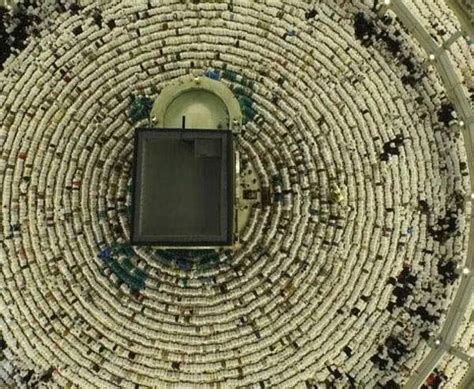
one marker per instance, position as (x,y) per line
(352,191)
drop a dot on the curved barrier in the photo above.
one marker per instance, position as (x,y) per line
(188,84)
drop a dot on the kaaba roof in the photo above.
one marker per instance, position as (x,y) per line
(183,187)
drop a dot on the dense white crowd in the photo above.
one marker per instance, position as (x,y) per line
(343,277)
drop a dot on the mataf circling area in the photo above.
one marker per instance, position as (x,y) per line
(352,253)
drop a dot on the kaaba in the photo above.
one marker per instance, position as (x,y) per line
(183,188)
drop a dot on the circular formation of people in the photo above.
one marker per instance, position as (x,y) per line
(352,253)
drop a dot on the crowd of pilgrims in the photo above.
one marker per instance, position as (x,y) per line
(27,18)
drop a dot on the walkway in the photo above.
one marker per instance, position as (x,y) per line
(457,96)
